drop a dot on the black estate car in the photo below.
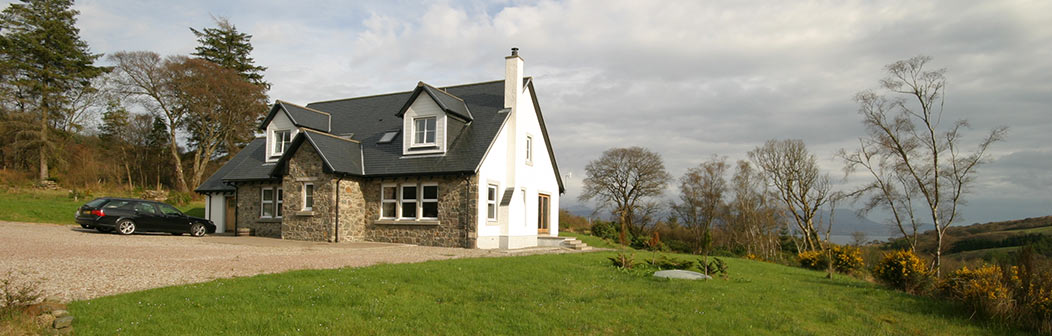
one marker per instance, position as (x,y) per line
(129,215)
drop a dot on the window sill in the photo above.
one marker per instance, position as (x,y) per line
(430,222)
(305,213)
(492,222)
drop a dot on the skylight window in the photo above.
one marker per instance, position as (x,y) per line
(388,137)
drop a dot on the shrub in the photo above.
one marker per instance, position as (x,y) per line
(605,230)
(16,295)
(623,261)
(846,259)
(716,266)
(902,270)
(664,263)
(180,198)
(982,288)
(816,260)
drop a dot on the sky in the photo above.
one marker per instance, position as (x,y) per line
(686,79)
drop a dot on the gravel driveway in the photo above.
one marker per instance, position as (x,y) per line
(71,263)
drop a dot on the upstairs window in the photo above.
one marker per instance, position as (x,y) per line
(281,141)
(529,149)
(424,131)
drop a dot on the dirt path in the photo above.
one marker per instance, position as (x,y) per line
(71,263)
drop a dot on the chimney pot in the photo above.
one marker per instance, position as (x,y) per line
(515,51)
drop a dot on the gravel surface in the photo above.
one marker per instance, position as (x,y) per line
(70,263)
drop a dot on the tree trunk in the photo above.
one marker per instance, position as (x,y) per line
(43,141)
(180,179)
(624,227)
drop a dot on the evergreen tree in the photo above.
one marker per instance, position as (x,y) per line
(229,48)
(43,61)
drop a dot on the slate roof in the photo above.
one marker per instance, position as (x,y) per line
(447,102)
(366,119)
(339,155)
(300,116)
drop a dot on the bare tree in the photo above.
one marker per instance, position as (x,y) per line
(701,199)
(752,213)
(904,130)
(623,178)
(803,189)
(145,77)
(891,189)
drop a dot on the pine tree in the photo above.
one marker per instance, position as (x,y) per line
(229,48)
(44,60)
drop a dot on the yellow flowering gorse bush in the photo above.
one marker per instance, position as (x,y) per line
(902,270)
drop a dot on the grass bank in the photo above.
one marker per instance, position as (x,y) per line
(56,207)
(537,295)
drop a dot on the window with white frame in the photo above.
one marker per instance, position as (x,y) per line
(280,200)
(429,202)
(491,202)
(282,139)
(389,200)
(266,203)
(308,196)
(424,131)
(529,149)
(409,203)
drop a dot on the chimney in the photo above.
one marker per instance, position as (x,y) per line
(512,78)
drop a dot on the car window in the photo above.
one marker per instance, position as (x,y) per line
(116,204)
(146,208)
(169,210)
(96,203)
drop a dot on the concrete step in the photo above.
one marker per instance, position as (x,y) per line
(575,244)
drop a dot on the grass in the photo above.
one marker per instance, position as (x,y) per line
(592,241)
(56,207)
(536,295)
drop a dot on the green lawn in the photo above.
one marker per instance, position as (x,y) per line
(58,208)
(536,295)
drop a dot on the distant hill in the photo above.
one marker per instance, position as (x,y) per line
(988,241)
(847,221)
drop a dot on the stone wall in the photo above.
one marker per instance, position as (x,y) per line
(317,224)
(248,197)
(352,212)
(457,214)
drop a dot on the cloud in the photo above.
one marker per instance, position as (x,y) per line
(686,79)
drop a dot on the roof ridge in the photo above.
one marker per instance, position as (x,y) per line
(442,91)
(403,92)
(330,135)
(279,101)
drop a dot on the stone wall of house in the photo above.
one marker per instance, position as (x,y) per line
(352,212)
(317,224)
(457,214)
(248,197)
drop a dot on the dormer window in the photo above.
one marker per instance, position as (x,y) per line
(424,131)
(282,139)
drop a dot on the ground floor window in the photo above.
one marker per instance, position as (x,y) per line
(409,201)
(308,196)
(491,202)
(270,202)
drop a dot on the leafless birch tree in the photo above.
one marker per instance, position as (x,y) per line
(914,151)
(801,186)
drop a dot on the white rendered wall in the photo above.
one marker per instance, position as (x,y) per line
(280,121)
(424,106)
(215,210)
(505,164)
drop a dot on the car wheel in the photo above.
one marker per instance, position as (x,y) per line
(197,230)
(125,227)
(104,229)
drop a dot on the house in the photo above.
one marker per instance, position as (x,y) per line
(460,166)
